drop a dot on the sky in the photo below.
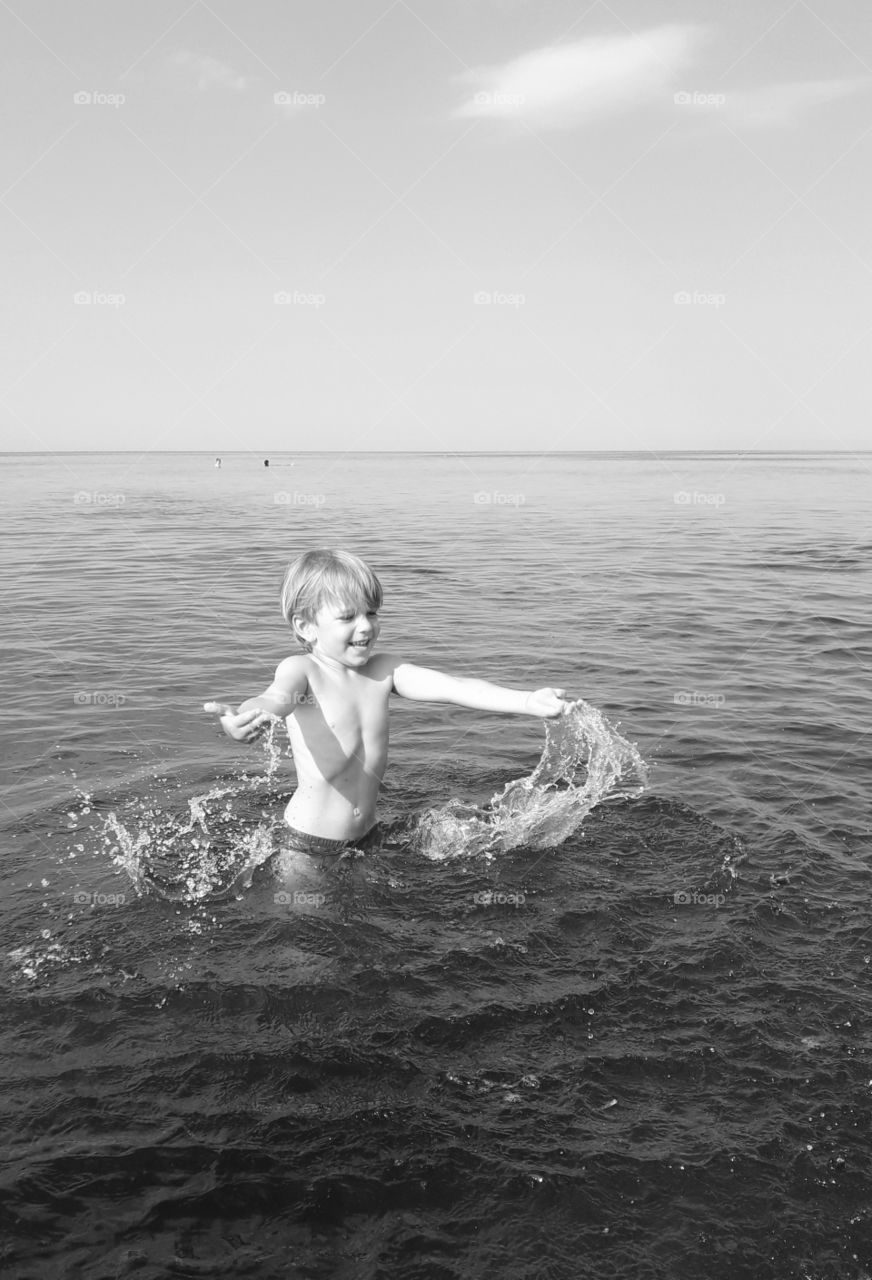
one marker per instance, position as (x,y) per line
(448,225)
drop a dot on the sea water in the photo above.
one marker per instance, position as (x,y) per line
(577,1015)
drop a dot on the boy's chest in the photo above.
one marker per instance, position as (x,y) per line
(355,707)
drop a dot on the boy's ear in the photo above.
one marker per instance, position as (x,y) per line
(302,628)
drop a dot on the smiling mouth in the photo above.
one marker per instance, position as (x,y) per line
(359,644)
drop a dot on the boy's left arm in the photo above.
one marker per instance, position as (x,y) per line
(425,685)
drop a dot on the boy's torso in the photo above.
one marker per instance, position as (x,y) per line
(339,739)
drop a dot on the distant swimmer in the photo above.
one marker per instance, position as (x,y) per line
(266,462)
(217,462)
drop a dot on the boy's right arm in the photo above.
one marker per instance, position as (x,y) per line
(280,699)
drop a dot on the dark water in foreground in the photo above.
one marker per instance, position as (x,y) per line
(644,1053)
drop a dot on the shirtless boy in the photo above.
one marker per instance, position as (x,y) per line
(334,698)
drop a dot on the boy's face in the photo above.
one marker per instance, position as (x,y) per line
(345,634)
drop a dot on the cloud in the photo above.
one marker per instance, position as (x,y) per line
(563,85)
(208,71)
(778,105)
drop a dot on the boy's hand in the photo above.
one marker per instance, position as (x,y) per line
(546,702)
(242,726)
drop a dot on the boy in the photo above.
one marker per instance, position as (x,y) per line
(334,698)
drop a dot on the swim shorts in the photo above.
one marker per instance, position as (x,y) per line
(303,842)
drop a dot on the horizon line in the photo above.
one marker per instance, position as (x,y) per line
(420,453)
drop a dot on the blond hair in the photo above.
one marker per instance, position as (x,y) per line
(327,577)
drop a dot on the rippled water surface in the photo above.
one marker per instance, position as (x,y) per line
(643,1052)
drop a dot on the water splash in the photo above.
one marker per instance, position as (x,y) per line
(214,850)
(34,960)
(213,853)
(271,742)
(585,761)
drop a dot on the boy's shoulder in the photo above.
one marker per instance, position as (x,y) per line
(293,668)
(381,665)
